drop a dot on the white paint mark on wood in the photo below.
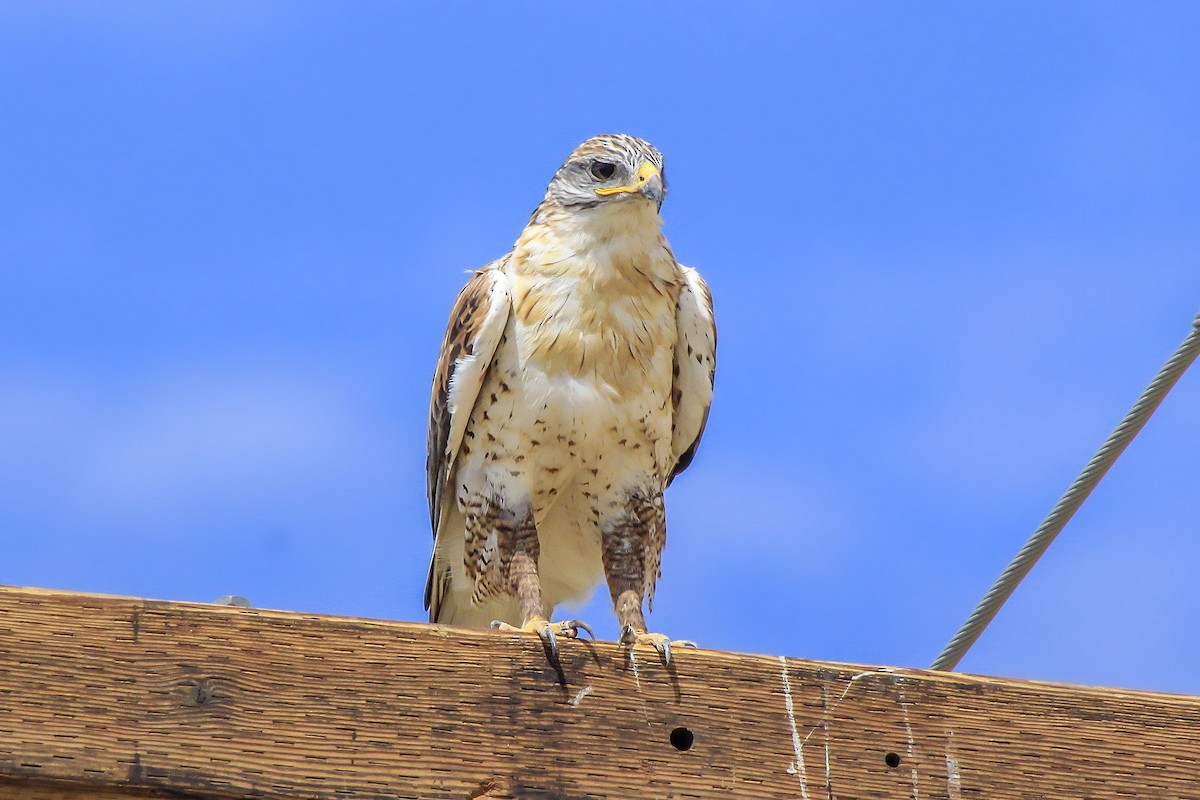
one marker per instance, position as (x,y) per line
(825,725)
(637,681)
(582,693)
(796,767)
(953,774)
(912,745)
(828,712)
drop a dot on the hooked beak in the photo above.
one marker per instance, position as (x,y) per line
(648,181)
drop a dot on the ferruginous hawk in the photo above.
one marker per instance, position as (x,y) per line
(573,385)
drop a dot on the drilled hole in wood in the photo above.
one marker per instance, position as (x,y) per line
(682,738)
(892,760)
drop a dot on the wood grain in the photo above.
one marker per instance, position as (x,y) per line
(115,698)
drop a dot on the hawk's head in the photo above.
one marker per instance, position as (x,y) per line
(613,168)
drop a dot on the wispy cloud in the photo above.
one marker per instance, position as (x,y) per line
(179,442)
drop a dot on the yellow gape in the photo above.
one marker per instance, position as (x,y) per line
(644,173)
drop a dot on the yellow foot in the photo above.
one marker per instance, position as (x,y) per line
(658,641)
(546,629)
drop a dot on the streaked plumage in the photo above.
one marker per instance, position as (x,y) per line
(574,383)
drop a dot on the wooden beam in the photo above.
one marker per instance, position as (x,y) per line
(110,697)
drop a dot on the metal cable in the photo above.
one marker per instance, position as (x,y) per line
(1070,502)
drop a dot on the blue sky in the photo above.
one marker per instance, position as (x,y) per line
(949,244)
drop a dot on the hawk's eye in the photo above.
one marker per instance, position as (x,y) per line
(602,170)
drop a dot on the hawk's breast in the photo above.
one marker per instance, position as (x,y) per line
(589,352)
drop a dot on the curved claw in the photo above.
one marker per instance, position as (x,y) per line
(575,626)
(547,631)
(658,641)
(547,634)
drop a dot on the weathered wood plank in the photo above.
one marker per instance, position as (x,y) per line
(24,789)
(117,697)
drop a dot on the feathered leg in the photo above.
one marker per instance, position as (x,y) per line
(503,548)
(632,541)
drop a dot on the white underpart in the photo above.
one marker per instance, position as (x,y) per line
(564,378)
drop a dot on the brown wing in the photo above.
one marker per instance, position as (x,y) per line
(476,326)
(695,368)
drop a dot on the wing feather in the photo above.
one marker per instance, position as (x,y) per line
(695,368)
(477,324)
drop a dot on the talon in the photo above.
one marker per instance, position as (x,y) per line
(546,631)
(687,643)
(577,625)
(631,636)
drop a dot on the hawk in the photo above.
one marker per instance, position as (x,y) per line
(573,385)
